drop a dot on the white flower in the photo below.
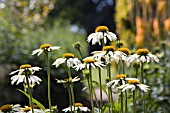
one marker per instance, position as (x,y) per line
(78,106)
(21,76)
(45,47)
(133,84)
(142,55)
(118,79)
(36,109)
(89,62)
(68,58)
(101,32)
(109,54)
(7,108)
(70,80)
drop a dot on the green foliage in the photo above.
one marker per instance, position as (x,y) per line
(34,100)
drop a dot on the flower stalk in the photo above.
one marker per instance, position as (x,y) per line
(100,83)
(71,89)
(134,101)
(49,84)
(29,90)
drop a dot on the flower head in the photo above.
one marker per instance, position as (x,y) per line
(70,80)
(78,107)
(133,84)
(36,109)
(118,78)
(7,108)
(142,55)
(89,62)
(101,32)
(109,54)
(68,58)
(25,70)
(45,47)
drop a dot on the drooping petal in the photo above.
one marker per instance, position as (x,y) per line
(59,61)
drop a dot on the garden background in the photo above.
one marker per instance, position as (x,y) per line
(25,25)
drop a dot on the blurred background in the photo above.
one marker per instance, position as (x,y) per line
(26,24)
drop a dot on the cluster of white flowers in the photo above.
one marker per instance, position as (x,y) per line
(98,59)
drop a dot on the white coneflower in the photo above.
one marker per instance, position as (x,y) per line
(142,55)
(133,84)
(69,58)
(78,107)
(70,80)
(21,76)
(89,62)
(36,109)
(45,47)
(10,108)
(118,78)
(101,32)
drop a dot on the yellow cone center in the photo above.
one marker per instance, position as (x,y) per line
(124,50)
(6,108)
(68,55)
(108,48)
(26,109)
(120,76)
(133,82)
(101,29)
(142,52)
(78,104)
(24,66)
(45,46)
(89,60)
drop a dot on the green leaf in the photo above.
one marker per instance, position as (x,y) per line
(103,88)
(105,107)
(34,100)
(151,102)
(117,105)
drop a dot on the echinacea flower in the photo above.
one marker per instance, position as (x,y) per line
(133,84)
(69,58)
(109,54)
(142,55)
(125,51)
(36,109)
(101,32)
(9,108)
(118,78)
(78,107)
(89,62)
(45,47)
(24,70)
(70,80)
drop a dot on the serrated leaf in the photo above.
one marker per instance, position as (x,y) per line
(34,100)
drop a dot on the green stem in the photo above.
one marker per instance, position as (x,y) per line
(70,98)
(110,89)
(48,74)
(134,101)
(91,89)
(136,72)
(80,53)
(95,96)
(142,75)
(100,82)
(121,101)
(123,70)
(71,89)
(29,91)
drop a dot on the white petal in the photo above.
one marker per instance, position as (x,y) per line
(59,61)
(36,51)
